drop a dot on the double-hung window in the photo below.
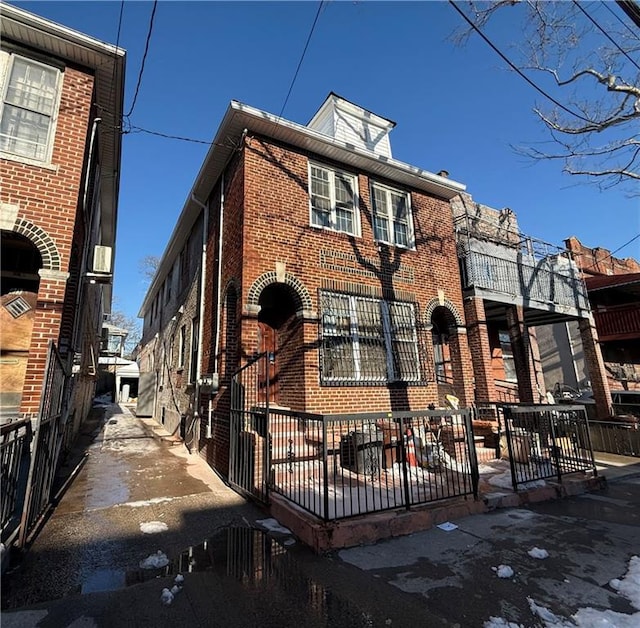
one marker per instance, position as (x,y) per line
(367,340)
(333,199)
(392,222)
(508,362)
(30,100)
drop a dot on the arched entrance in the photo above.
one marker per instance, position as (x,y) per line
(442,323)
(20,262)
(277,323)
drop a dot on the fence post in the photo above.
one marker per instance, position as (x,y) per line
(555,449)
(471,448)
(325,469)
(405,463)
(507,430)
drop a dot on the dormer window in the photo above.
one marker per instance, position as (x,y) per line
(392,222)
(333,200)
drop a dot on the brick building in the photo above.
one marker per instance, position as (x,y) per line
(613,288)
(313,244)
(60,147)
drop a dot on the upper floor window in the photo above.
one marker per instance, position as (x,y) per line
(332,197)
(510,374)
(30,98)
(368,340)
(392,216)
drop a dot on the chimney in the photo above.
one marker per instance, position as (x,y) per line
(443,173)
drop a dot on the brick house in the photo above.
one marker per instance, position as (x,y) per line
(313,244)
(613,288)
(60,147)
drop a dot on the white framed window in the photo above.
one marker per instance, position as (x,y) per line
(367,340)
(509,365)
(392,222)
(29,105)
(333,200)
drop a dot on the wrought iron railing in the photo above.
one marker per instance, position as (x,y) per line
(616,437)
(340,466)
(15,439)
(546,441)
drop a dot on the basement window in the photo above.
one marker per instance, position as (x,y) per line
(17,307)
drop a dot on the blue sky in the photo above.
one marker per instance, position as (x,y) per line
(457,108)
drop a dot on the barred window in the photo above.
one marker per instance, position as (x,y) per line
(332,197)
(391,216)
(368,340)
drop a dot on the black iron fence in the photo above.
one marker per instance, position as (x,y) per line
(15,440)
(616,437)
(339,466)
(546,441)
(48,438)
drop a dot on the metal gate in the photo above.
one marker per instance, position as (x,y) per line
(249,429)
(48,438)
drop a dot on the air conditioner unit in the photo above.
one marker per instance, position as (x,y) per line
(101,259)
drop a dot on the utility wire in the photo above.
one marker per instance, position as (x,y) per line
(608,8)
(144,58)
(614,252)
(515,67)
(624,52)
(295,76)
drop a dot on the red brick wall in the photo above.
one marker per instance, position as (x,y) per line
(49,198)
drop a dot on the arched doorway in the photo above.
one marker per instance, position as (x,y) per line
(20,262)
(277,326)
(443,326)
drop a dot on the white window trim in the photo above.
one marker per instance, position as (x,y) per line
(411,242)
(47,160)
(388,342)
(356,198)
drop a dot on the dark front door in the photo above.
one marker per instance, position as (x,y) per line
(268,375)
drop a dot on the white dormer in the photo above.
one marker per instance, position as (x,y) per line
(353,125)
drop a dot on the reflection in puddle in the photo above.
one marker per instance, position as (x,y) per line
(263,569)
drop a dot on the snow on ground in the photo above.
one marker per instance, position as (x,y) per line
(153,527)
(155,561)
(503,571)
(628,586)
(272,525)
(536,552)
(147,502)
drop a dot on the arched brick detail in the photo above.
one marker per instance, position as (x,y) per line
(301,294)
(43,242)
(434,303)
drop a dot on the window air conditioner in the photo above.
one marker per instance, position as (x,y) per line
(101,259)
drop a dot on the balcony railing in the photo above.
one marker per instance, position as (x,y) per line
(548,282)
(618,321)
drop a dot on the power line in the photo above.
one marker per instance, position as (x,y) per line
(624,52)
(295,76)
(144,58)
(516,68)
(608,8)
(614,252)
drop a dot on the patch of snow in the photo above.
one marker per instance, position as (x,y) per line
(538,553)
(498,622)
(629,585)
(273,525)
(503,571)
(153,527)
(179,579)
(447,526)
(155,561)
(147,502)
(166,597)
(175,589)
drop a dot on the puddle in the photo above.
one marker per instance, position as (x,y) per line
(262,571)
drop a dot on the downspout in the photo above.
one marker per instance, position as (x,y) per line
(83,268)
(203,275)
